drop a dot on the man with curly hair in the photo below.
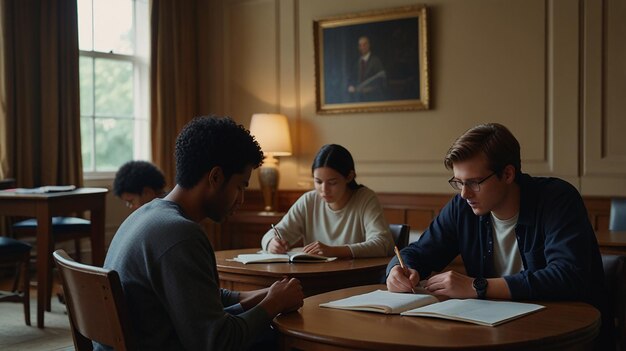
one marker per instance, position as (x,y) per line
(167,265)
(137,183)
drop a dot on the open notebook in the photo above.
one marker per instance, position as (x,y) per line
(382,301)
(292,256)
(482,312)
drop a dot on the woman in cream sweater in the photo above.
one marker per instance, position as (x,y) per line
(338,218)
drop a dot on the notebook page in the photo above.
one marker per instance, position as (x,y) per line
(382,301)
(483,312)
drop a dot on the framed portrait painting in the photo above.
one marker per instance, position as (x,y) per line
(372,61)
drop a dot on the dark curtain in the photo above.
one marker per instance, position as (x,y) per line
(178,72)
(42,92)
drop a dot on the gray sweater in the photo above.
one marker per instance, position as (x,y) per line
(169,276)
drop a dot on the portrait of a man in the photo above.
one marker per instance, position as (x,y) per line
(373,62)
(368,80)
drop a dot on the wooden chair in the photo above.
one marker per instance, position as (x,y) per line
(617,217)
(95,304)
(17,253)
(400,234)
(63,229)
(615,277)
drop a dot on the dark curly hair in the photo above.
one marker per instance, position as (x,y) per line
(133,176)
(214,141)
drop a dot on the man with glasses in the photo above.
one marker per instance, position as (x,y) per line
(520,237)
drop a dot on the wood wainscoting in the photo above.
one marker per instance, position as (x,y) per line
(245,228)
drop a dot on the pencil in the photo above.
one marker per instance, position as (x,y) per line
(276,232)
(406,271)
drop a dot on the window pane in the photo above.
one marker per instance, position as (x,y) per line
(86,140)
(86,85)
(114,143)
(85,35)
(113,26)
(142,28)
(140,139)
(114,88)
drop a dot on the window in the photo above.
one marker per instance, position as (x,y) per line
(114,49)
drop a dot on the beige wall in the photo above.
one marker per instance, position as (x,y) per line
(536,66)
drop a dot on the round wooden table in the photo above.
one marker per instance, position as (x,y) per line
(316,278)
(560,326)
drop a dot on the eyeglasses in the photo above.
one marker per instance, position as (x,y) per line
(472,184)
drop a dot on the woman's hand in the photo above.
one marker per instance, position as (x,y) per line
(277,246)
(317,248)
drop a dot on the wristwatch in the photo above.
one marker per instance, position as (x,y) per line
(480,285)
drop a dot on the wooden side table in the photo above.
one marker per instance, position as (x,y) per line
(245,229)
(44,207)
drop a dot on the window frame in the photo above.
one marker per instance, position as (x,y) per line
(141,105)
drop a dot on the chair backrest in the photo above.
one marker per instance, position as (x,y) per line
(617,219)
(95,304)
(615,277)
(400,234)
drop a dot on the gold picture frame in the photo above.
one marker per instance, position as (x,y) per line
(372,61)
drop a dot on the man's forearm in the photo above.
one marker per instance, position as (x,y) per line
(249,299)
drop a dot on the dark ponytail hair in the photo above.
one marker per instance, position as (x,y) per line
(338,158)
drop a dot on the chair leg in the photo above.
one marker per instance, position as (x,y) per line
(25,277)
(16,280)
(49,277)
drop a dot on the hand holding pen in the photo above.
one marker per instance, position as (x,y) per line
(278,243)
(403,266)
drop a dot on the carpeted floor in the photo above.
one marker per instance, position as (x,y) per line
(16,335)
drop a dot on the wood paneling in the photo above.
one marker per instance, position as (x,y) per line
(245,228)
(603,157)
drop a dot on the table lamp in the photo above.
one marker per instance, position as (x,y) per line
(272,133)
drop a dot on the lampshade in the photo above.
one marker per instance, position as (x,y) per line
(272,132)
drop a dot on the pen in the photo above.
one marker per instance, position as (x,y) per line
(406,271)
(276,232)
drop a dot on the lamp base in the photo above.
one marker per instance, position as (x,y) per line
(268,180)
